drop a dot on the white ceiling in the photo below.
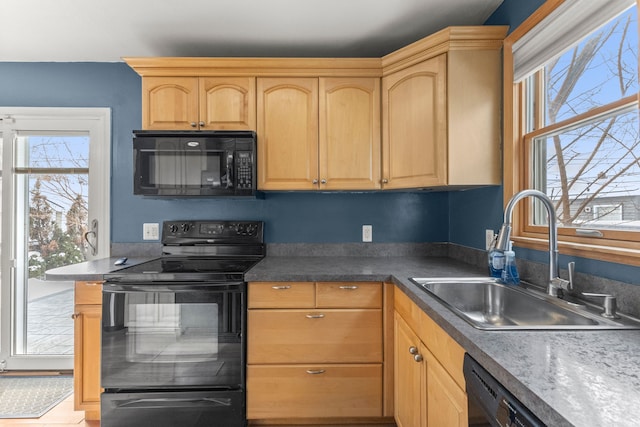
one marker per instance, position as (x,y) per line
(106,30)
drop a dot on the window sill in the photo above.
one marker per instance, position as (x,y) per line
(627,256)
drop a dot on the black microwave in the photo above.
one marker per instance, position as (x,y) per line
(194,163)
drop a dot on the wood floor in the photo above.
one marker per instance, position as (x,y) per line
(62,415)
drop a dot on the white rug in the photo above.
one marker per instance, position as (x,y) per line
(32,396)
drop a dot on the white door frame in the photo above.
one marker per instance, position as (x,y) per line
(97,121)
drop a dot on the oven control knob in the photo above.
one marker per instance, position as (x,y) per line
(173,228)
(185,227)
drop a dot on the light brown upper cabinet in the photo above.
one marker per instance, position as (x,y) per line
(441,99)
(198,103)
(349,133)
(424,116)
(319,133)
(415,125)
(287,133)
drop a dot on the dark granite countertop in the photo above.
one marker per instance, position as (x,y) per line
(581,378)
(90,271)
(567,378)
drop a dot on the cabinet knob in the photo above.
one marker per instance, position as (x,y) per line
(315,181)
(201,124)
(75,315)
(416,356)
(385,181)
(193,124)
(323,181)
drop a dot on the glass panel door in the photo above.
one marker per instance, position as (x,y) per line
(51,200)
(53,183)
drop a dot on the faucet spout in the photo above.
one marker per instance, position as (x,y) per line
(554,285)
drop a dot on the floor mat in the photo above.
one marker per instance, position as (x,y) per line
(32,396)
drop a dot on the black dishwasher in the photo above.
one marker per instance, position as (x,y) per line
(490,404)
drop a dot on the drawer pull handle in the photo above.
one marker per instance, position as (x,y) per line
(315,371)
(278,288)
(315,316)
(349,287)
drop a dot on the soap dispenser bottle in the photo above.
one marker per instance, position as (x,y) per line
(496,259)
(510,272)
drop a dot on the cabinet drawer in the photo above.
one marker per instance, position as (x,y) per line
(314,336)
(88,293)
(349,294)
(281,295)
(314,391)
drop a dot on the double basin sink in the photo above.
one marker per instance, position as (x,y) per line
(489,305)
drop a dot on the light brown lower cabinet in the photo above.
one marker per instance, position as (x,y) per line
(429,388)
(86,364)
(315,352)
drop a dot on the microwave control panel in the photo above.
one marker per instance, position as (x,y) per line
(244,169)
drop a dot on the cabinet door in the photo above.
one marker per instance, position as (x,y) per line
(86,364)
(410,377)
(446,401)
(228,103)
(287,133)
(170,103)
(349,133)
(414,125)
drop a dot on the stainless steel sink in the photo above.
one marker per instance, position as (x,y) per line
(487,304)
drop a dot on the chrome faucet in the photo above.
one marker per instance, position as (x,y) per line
(555,284)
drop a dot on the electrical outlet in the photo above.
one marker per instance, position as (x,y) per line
(367,233)
(488,238)
(150,231)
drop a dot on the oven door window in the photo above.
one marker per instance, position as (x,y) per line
(172,339)
(160,330)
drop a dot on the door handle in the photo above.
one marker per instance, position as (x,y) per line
(94,233)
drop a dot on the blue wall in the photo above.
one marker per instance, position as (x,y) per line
(513,12)
(289,217)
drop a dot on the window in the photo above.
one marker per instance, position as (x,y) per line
(574,132)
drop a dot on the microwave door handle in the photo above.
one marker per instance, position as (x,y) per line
(229,170)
